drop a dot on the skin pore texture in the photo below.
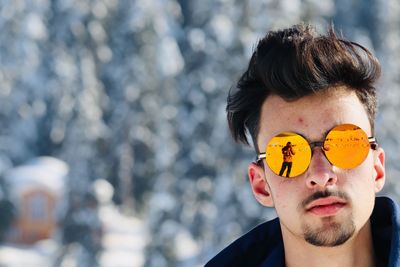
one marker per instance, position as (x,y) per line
(324,213)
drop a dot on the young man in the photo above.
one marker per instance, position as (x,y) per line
(316,92)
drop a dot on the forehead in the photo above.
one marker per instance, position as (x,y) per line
(311,116)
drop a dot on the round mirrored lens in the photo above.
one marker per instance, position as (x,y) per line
(346,146)
(288,154)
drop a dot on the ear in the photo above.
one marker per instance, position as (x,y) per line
(259,185)
(379,167)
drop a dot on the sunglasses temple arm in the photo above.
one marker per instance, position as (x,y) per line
(260,157)
(373,142)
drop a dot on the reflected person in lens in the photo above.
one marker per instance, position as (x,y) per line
(287,152)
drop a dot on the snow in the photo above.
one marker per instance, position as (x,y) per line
(44,171)
(170,58)
(14,256)
(124,242)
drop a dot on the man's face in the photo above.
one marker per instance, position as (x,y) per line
(325,205)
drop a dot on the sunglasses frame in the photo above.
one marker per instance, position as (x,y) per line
(372,142)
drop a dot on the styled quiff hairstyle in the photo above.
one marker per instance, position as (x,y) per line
(297,62)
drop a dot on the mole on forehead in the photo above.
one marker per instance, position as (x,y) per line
(301,121)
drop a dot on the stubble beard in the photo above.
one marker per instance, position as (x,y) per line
(331,233)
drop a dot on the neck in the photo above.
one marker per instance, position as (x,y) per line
(356,252)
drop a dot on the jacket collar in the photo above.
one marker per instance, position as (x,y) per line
(385,225)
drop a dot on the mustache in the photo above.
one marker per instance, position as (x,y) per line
(323,194)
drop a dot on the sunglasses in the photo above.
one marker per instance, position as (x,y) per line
(288,154)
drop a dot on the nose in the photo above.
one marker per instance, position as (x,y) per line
(320,173)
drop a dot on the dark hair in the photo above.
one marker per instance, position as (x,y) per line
(296,62)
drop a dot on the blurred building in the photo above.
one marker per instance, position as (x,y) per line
(37,190)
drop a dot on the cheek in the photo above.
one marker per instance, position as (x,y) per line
(361,190)
(285,194)
(360,184)
(362,177)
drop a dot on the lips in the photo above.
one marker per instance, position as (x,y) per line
(326,206)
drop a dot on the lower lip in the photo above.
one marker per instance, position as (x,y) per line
(327,210)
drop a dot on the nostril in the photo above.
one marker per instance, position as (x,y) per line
(331,180)
(324,180)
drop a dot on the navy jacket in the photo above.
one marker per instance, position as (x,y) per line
(263,246)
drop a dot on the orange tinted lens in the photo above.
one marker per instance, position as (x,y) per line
(346,146)
(288,154)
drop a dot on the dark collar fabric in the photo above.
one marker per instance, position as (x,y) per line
(263,246)
(385,225)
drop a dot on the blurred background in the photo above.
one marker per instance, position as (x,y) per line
(114,146)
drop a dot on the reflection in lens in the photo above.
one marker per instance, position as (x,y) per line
(348,146)
(288,154)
